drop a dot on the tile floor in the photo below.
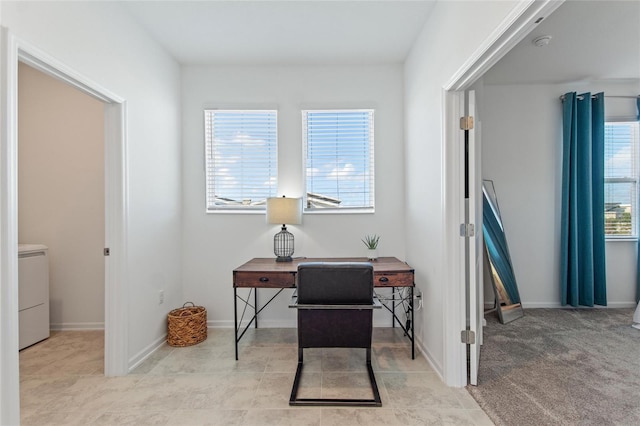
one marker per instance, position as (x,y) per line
(62,384)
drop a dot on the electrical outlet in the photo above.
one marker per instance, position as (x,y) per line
(417,297)
(161,297)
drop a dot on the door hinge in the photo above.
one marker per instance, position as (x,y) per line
(468,337)
(466,123)
(107,251)
(467,230)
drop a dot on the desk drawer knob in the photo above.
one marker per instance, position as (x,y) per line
(264,279)
(383,279)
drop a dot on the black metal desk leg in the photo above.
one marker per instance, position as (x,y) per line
(255,305)
(413,340)
(235,317)
(393,307)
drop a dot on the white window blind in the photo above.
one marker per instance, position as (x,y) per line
(621,179)
(339,159)
(241,158)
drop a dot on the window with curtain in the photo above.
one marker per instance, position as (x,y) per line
(621,142)
(241,158)
(339,160)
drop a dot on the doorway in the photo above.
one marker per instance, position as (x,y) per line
(14,51)
(61,200)
(525,17)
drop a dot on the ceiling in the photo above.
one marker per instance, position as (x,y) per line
(591,41)
(283,32)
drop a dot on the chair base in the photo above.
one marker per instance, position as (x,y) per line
(375,402)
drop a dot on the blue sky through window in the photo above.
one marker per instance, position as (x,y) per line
(241,157)
(339,158)
(621,159)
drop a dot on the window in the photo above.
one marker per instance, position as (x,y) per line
(338,149)
(241,159)
(621,142)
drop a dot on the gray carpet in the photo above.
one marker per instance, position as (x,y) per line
(561,367)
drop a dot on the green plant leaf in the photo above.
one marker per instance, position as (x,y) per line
(371,241)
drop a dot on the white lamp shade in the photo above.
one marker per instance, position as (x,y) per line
(284,210)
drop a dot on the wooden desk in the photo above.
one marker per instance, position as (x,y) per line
(389,272)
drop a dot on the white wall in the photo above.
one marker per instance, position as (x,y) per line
(215,244)
(61,193)
(101,42)
(522,154)
(452,33)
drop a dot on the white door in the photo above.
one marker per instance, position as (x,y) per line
(474,251)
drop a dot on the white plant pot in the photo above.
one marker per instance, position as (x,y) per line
(372,254)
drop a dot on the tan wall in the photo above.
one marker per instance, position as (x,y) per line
(61,193)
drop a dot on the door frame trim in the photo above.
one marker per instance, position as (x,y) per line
(14,51)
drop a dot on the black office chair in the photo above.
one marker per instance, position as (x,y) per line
(335,302)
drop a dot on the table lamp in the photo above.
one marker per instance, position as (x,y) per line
(285,211)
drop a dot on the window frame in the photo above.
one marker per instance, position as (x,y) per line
(371,168)
(210,206)
(635,223)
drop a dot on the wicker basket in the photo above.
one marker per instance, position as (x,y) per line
(187,326)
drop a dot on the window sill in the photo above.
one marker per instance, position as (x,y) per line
(340,211)
(621,239)
(236,211)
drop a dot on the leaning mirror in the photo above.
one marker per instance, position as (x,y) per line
(497,259)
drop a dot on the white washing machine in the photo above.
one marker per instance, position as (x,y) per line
(33,293)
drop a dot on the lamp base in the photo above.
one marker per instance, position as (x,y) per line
(283,245)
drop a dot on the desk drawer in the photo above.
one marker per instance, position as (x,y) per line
(264,279)
(393,279)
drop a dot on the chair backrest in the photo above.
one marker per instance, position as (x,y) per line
(335,283)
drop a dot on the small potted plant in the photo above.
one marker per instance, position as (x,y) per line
(371,242)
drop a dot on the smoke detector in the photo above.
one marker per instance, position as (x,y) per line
(541,41)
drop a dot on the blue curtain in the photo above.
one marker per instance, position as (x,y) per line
(496,244)
(638,274)
(583,279)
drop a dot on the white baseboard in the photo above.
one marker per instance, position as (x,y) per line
(437,368)
(610,305)
(278,323)
(261,323)
(76,326)
(145,353)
